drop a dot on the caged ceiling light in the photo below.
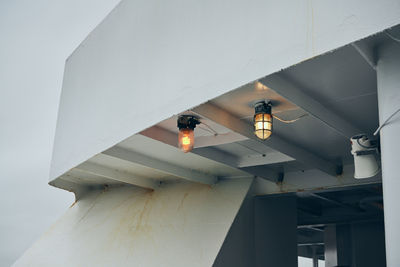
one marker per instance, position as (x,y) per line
(186,125)
(262,120)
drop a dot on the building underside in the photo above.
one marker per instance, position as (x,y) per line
(234,200)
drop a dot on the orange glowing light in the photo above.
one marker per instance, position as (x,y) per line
(186,139)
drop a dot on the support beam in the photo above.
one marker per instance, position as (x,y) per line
(329,200)
(310,244)
(211,153)
(340,219)
(338,245)
(296,95)
(315,256)
(264,159)
(171,138)
(162,135)
(264,156)
(366,53)
(334,202)
(178,171)
(265,172)
(124,177)
(226,119)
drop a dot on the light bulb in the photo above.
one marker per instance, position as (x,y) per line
(186,139)
(263,120)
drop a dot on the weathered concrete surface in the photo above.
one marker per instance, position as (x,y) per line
(182,224)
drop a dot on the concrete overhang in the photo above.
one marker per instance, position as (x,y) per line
(148,61)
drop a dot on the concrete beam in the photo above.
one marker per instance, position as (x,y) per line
(171,138)
(162,166)
(211,153)
(98,170)
(229,121)
(297,96)
(367,53)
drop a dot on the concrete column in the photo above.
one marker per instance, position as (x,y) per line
(338,245)
(388,75)
(275,229)
(238,247)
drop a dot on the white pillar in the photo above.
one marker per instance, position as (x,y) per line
(388,74)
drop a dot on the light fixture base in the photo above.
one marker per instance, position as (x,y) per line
(187,122)
(272,102)
(263,106)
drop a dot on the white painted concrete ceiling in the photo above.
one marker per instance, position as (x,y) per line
(342,81)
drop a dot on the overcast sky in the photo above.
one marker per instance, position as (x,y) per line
(35,39)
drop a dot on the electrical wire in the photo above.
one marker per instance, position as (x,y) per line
(206,129)
(211,130)
(386,121)
(361,145)
(376,147)
(289,121)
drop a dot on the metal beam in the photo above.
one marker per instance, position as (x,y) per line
(263,159)
(297,96)
(171,138)
(338,219)
(165,167)
(263,155)
(226,119)
(162,135)
(211,153)
(102,171)
(310,244)
(315,228)
(366,53)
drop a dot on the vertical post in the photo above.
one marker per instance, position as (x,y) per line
(388,75)
(330,245)
(338,245)
(315,256)
(276,231)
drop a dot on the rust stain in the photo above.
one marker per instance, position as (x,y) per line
(183,200)
(92,206)
(319,188)
(73,204)
(143,218)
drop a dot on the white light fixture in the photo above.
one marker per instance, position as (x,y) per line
(365,164)
(262,120)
